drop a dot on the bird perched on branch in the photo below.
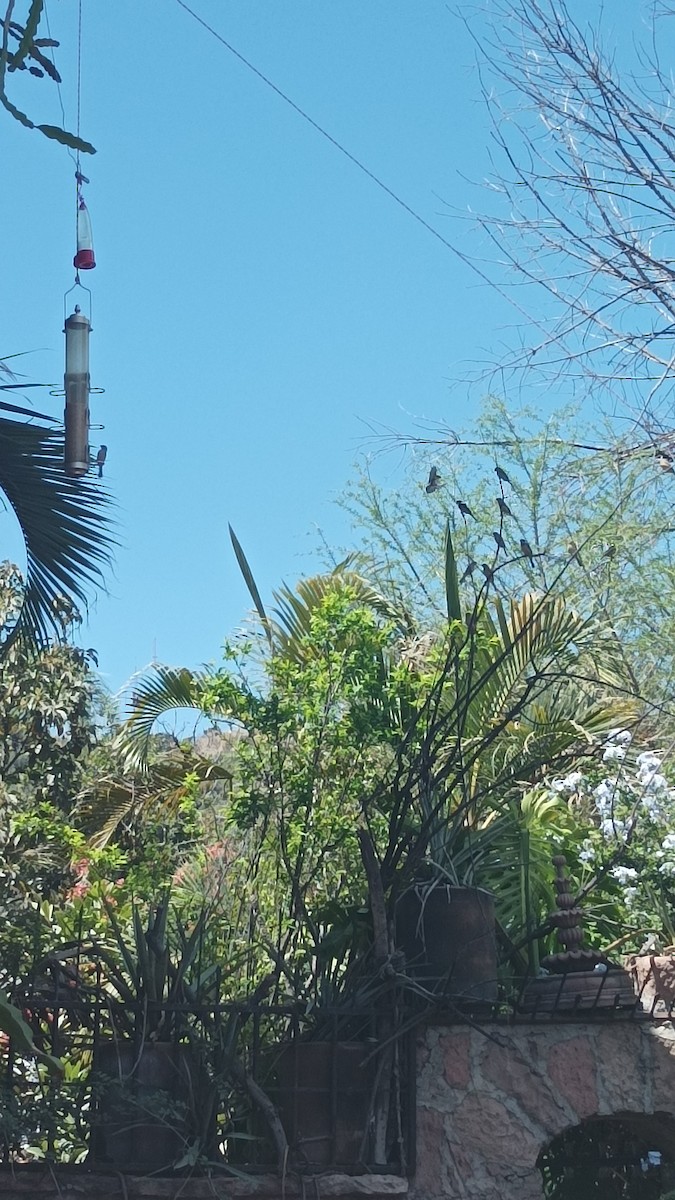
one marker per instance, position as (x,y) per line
(464,509)
(488,572)
(100,459)
(501,544)
(503,507)
(435,481)
(501,475)
(526,549)
(470,568)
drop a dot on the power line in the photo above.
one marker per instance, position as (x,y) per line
(338,145)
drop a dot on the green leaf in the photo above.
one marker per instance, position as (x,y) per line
(16,112)
(66,139)
(163,691)
(451,583)
(28,36)
(250,582)
(13,1024)
(64,523)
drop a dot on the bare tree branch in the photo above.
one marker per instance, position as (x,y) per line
(584,182)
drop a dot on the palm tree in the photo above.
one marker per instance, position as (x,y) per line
(510,694)
(65,523)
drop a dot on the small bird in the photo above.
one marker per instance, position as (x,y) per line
(501,544)
(464,509)
(503,507)
(435,481)
(501,475)
(573,551)
(610,551)
(100,459)
(470,568)
(665,462)
(488,572)
(526,549)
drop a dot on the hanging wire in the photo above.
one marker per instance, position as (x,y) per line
(58,84)
(75,158)
(78,174)
(469,262)
(79,74)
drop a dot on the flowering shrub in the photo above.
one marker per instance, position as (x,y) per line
(626,802)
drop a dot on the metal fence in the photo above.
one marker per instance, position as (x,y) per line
(252,1087)
(244,1088)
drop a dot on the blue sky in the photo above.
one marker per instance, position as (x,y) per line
(257,298)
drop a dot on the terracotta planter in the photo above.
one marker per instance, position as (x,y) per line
(654,981)
(153,1103)
(448,933)
(321,1091)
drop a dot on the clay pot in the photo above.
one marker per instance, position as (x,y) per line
(448,933)
(153,1103)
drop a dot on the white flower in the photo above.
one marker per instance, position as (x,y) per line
(629,894)
(604,795)
(667,868)
(571,783)
(613,827)
(624,874)
(614,754)
(653,781)
(668,842)
(648,761)
(587,852)
(652,807)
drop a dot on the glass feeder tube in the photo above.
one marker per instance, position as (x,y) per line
(77,385)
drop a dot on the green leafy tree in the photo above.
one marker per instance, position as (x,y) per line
(50,715)
(366,753)
(595,510)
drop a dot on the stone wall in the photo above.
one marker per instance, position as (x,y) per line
(76,1183)
(488,1101)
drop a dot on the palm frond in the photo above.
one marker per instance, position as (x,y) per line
(65,524)
(249,580)
(540,634)
(112,801)
(295,609)
(163,690)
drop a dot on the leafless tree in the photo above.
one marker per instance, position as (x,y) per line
(584,189)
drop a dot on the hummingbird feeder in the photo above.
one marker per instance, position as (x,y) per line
(77,329)
(77,387)
(84,259)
